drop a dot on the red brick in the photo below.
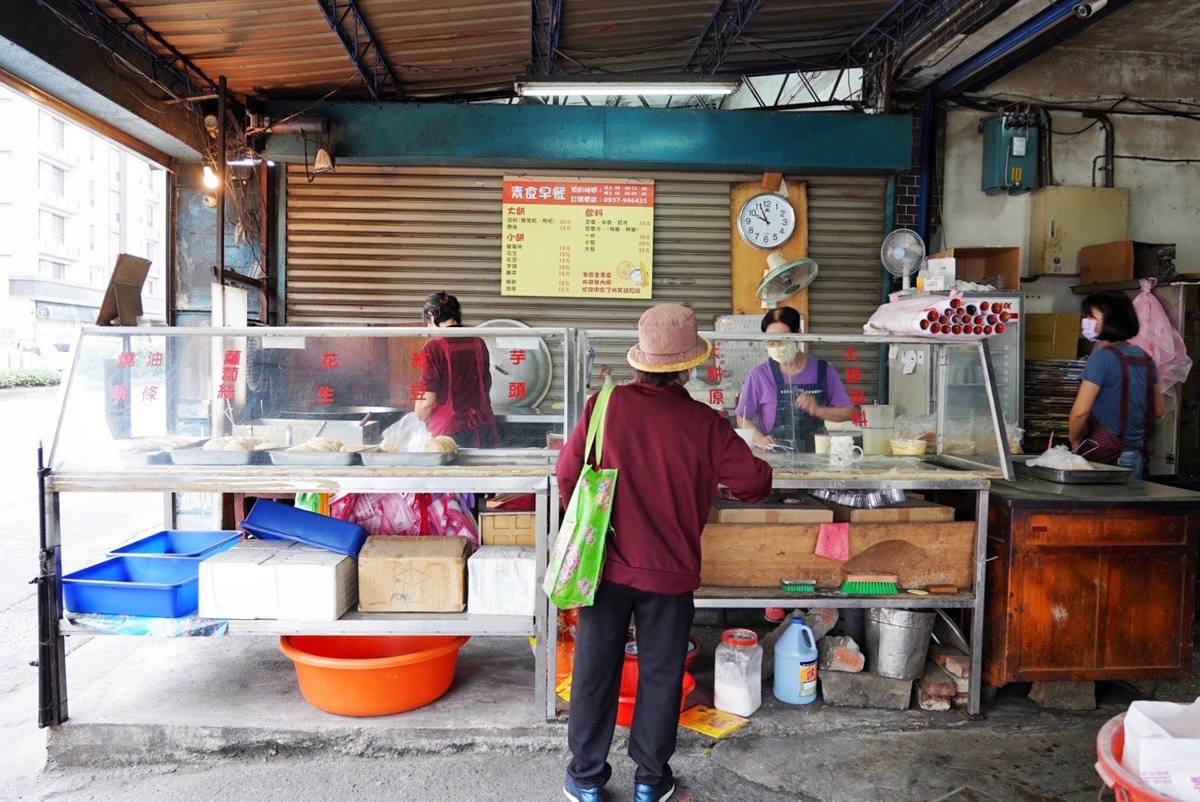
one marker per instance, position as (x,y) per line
(951,660)
(936,682)
(927,702)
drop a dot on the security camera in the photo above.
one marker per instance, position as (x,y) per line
(1087,9)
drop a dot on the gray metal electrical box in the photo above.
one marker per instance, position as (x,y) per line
(1010,153)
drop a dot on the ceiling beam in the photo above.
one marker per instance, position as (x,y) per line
(173,72)
(547,27)
(347,22)
(720,34)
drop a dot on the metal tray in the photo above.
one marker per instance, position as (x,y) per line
(198,456)
(1100,475)
(311,459)
(407,459)
(145,459)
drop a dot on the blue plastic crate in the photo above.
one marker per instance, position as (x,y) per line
(179,543)
(161,587)
(270,519)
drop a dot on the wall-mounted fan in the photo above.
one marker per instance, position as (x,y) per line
(785,278)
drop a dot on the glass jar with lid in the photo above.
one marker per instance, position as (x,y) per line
(738,673)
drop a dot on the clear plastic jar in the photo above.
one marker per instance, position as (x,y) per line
(738,674)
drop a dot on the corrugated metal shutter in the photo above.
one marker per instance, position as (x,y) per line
(365,245)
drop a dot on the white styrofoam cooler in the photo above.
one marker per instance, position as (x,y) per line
(501,581)
(277,579)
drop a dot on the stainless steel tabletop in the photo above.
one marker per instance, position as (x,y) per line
(1039,492)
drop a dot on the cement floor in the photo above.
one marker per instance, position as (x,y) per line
(181,703)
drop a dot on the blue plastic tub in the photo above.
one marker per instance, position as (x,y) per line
(270,519)
(160,587)
(179,543)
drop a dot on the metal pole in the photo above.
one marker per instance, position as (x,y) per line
(221,170)
(52,655)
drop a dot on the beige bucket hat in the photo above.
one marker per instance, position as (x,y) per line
(668,340)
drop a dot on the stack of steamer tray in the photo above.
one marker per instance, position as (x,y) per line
(1050,389)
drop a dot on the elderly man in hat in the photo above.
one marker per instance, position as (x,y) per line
(671,452)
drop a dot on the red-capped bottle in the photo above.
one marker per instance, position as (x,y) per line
(971,310)
(955,303)
(935,328)
(987,331)
(984,306)
(924,324)
(956,329)
(1000,328)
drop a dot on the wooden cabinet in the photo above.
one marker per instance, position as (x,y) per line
(1089,594)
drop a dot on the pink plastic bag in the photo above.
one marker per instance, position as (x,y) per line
(439,514)
(1161,342)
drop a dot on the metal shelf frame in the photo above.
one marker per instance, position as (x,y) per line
(534,477)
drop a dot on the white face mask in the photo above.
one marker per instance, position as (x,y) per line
(1087,327)
(784,352)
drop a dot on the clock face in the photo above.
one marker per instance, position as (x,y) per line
(766,221)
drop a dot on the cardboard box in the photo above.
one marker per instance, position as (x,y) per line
(501,580)
(508,528)
(278,580)
(122,302)
(412,574)
(978,264)
(806,510)
(937,275)
(1125,260)
(1051,336)
(1064,220)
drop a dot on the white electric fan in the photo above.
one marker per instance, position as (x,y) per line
(785,278)
(903,253)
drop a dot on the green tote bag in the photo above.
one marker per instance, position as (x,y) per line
(578,559)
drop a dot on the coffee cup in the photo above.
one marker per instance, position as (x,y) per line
(821,444)
(747,434)
(842,450)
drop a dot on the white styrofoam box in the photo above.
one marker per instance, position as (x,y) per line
(277,579)
(501,581)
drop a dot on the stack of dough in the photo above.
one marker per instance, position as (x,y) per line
(319,444)
(355,448)
(237,444)
(441,445)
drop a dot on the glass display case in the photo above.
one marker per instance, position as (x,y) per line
(959,433)
(138,397)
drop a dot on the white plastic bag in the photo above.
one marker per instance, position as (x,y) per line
(1162,747)
(408,434)
(1060,458)
(1161,342)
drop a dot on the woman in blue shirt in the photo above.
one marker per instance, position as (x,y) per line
(1119,398)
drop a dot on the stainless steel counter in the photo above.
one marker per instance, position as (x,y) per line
(1038,492)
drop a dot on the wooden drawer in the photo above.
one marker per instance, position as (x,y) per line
(1104,528)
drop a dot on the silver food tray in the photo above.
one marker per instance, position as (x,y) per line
(146,458)
(198,456)
(1100,474)
(407,459)
(310,459)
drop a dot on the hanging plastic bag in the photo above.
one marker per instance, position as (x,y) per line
(409,434)
(1161,342)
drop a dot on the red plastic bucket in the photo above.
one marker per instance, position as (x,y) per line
(1110,745)
(628,698)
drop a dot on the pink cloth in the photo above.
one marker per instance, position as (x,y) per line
(833,542)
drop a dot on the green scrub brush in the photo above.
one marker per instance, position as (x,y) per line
(799,585)
(870,585)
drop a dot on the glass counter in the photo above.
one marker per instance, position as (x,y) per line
(851,435)
(314,397)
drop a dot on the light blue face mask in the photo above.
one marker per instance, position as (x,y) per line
(1087,327)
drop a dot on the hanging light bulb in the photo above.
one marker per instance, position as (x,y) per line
(210,178)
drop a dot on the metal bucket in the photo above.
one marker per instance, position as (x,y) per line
(898,641)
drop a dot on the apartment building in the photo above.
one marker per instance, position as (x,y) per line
(70,202)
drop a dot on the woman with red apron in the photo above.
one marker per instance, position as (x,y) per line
(1118,400)
(457,377)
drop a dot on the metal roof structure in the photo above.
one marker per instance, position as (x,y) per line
(473,49)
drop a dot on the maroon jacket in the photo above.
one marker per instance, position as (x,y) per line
(670,453)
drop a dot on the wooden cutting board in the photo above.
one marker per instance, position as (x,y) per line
(760,556)
(911,511)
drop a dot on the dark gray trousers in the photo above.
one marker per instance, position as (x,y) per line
(663,624)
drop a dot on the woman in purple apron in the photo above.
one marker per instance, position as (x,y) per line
(1118,401)
(788,398)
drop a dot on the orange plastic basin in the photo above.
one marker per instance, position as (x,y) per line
(1126,786)
(359,675)
(628,697)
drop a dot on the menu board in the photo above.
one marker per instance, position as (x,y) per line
(578,238)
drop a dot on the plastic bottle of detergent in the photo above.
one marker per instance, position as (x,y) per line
(796,665)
